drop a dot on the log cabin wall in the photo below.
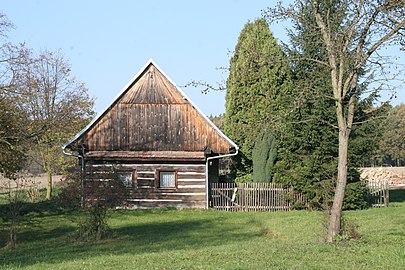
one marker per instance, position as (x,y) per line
(142,182)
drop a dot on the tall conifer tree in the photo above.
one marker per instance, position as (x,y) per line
(258,81)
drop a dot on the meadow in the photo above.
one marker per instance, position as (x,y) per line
(200,239)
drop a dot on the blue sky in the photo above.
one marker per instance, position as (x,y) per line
(107,42)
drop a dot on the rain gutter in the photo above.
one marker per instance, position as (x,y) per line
(81,171)
(206,173)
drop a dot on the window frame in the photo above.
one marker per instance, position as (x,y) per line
(133,182)
(167,171)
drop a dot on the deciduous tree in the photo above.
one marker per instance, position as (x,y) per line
(12,128)
(352,33)
(308,143)
(57,105)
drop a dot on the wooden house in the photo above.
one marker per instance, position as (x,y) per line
(156,141)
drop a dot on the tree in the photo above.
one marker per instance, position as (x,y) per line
(259,78)
(57,106)
(352,33)
(12,131)
(218,121)
(264,156)
(392,145)
(308,146)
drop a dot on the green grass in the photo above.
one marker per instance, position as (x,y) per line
(197,239)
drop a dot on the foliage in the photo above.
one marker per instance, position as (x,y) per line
(12,215)
(244,177)
(352,32)
(308,147)
(367,133)
(392,146)
(218,121)
(12,133)
(42,106)
(71,194)
(12,129)
(306,157)
(17,192)
(100,192)
(94,225)
(263,157)
(57,106)
(258,80)
(356,196)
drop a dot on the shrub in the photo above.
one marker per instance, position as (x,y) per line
(94,226)
(356,196)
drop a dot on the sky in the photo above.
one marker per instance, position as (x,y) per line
(107,42)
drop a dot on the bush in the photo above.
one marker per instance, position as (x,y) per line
(356,196)
(94,225)
(71,193)
(98,197)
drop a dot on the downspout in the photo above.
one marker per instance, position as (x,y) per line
(81,172)
(206,173)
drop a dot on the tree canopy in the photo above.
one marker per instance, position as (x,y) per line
(42,106)
(258,79)
(392,146)
(352,32)
(56,104)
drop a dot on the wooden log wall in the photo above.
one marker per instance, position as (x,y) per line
(142,181)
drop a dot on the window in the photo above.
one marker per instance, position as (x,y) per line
(128,178)
(167,179)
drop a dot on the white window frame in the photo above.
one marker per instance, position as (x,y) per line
(174,181)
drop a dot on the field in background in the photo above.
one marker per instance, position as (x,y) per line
(190,239)
(38,181)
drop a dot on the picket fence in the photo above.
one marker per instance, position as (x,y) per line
(249,197)
(379,193)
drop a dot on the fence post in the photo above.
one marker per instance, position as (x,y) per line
(386,195)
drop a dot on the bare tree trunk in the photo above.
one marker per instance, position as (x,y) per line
(336,211)
(49,187)
(12,235)
(14,212)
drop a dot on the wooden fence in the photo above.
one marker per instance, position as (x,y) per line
(254,197)
(379,193)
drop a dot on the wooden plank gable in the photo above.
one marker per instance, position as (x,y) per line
(152,88)
(152,114)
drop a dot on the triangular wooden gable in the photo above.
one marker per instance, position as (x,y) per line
(152,116)
(152,87)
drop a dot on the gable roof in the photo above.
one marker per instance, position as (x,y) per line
(151,86)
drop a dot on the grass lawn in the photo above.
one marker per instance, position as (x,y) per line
(198,239)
